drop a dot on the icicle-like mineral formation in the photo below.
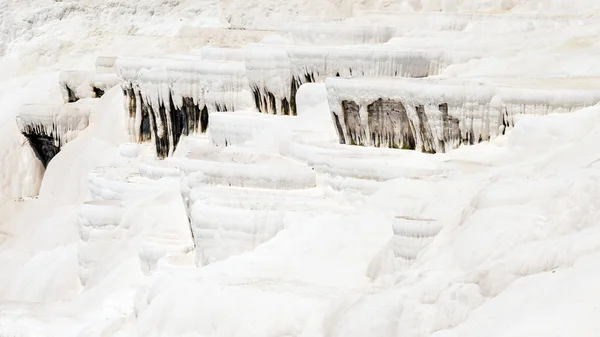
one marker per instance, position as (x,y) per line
(432,115)
(275,72)
(75,85)
(170,97)
(49,127)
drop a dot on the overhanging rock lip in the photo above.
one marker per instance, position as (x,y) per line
(476,90)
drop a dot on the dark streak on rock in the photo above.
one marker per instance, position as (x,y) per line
(390,126)
(179,122)
(426,134)
(272,103)
(338,128)
(285,107)
(44,145)
(147,123)
(293,89)
(192,111)
(186,119)
(256,94)
(354,131)
(72,97)
(505,122)
(450,129)
(204,120)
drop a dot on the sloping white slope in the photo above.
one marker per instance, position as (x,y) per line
(535,232)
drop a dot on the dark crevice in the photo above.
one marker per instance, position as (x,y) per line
(147,123)
(192,115)
(256,94)
(179,122)
(162,138)
(469,137)
(285,107)
(264,106)
(130,94)
(505,123)
(44,145)
(98,92)
(272,103)
(161,142)
(204,119)
(72,98)
(293,89)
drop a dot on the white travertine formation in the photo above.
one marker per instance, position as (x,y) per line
(228,221)
(170,97)
(99,234)
(231,167)
(234,128)
(120,183)
(49,127)
(275,72)
(432,115)
(339,34)
(75,85)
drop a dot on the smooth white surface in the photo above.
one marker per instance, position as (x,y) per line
(342,255)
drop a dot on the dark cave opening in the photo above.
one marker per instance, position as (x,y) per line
(44,145)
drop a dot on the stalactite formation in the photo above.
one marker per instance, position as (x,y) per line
(45,143)
(204,120)
(438,115)
(147,120)
(72,98)
(293,89)
(268,66)
(354,131)
(427,139)
(167,122)
(265,101)
(171,97)
(48,128)
(389,125)
(450,129)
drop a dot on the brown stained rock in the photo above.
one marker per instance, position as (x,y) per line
(390,126)
(428,145)
(146,125)
(450,129)
(354,130)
